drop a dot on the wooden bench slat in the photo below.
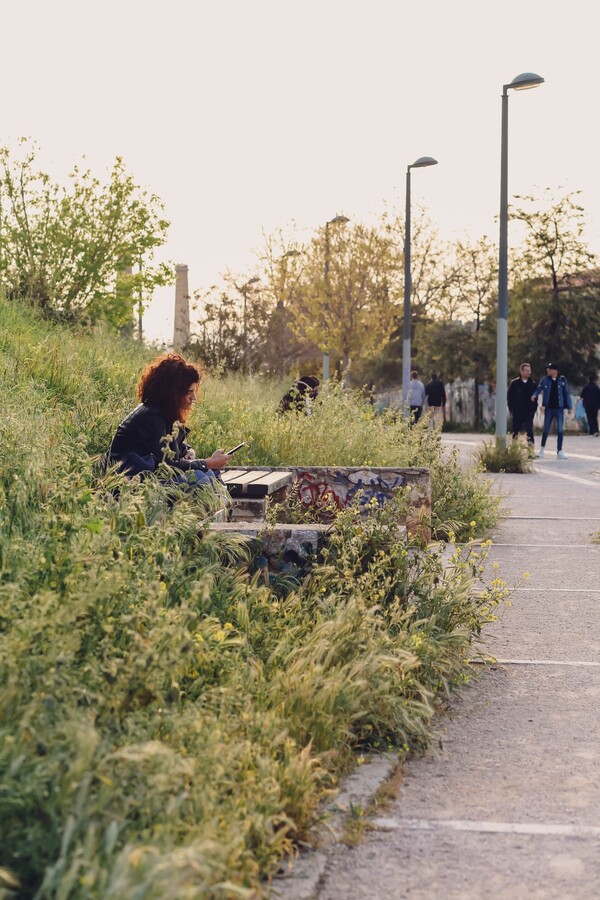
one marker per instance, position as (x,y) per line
(275,479)
(247,477)
(232,474)
(257,483)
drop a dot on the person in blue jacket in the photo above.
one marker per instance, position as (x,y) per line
(556,397)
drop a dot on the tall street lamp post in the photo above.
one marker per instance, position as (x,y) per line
(523,82)
(420,163)
(337,220)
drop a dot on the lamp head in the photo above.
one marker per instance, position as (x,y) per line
(525,81)
(252,281)
(423,161)
(338,220)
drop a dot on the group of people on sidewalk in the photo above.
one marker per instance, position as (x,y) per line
(523,393)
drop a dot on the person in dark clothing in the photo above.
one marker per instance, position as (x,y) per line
(155,431)
(519,402)
(300,395)
(590,395)
(556,397)
(436,399)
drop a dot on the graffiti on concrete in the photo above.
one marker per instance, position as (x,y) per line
(318,485)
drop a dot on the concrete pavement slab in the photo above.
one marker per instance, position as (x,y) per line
(558,626)
(448,865)
(548,565)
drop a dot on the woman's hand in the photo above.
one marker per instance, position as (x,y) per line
(218,459)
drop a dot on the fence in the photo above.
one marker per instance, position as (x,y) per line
(460,406)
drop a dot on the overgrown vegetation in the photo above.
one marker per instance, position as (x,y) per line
(168,722)
(513,456)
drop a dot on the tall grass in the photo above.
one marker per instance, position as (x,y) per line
(168,721)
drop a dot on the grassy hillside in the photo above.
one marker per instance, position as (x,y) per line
(168,721)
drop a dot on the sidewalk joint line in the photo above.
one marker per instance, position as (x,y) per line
(555,518)
(386,823)
(568,547)
(538,590)
(494,661)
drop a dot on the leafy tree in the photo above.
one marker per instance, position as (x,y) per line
(231,329)
(554,311)
(282,269)
(217,335)
(432,275)
(64,247)
(344,301)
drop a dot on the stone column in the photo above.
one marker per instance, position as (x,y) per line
(181,332)
(125,293)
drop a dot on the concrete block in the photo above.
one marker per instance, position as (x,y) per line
(248,510)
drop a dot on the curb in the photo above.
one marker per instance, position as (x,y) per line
(301,881)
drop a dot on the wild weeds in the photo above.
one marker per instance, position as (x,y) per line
(512,457)
(168,722)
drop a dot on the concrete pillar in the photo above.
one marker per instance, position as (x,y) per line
(181,332)
(125,294)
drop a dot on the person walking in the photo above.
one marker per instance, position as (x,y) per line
(590,396)
(415,396)
(519,395)
(556,397)
(436,399)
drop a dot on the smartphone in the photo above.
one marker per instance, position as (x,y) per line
(239,447)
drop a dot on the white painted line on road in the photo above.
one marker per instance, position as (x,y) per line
(580,456)
(535,662)
(547,830)
(573,478)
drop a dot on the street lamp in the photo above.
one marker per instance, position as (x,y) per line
(337,220)
(523,82)
(420,163)
(283,260)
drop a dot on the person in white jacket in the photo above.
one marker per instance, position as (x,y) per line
(415,396)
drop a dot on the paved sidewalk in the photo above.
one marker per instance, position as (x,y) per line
(509,805)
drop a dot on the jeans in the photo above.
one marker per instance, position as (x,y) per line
(134,464)
(549,415)
(523,422)
(592,417)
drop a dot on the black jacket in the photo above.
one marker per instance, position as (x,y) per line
(519,397)
(144,432)
(591,396)
(435,393)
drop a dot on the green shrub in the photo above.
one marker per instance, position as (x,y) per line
(512,457)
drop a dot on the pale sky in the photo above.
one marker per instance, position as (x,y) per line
(244,115)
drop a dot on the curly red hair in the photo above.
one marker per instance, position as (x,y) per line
(165,382)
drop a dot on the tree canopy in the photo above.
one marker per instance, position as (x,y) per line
(72,250)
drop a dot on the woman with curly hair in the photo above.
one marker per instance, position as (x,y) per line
(155,431)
